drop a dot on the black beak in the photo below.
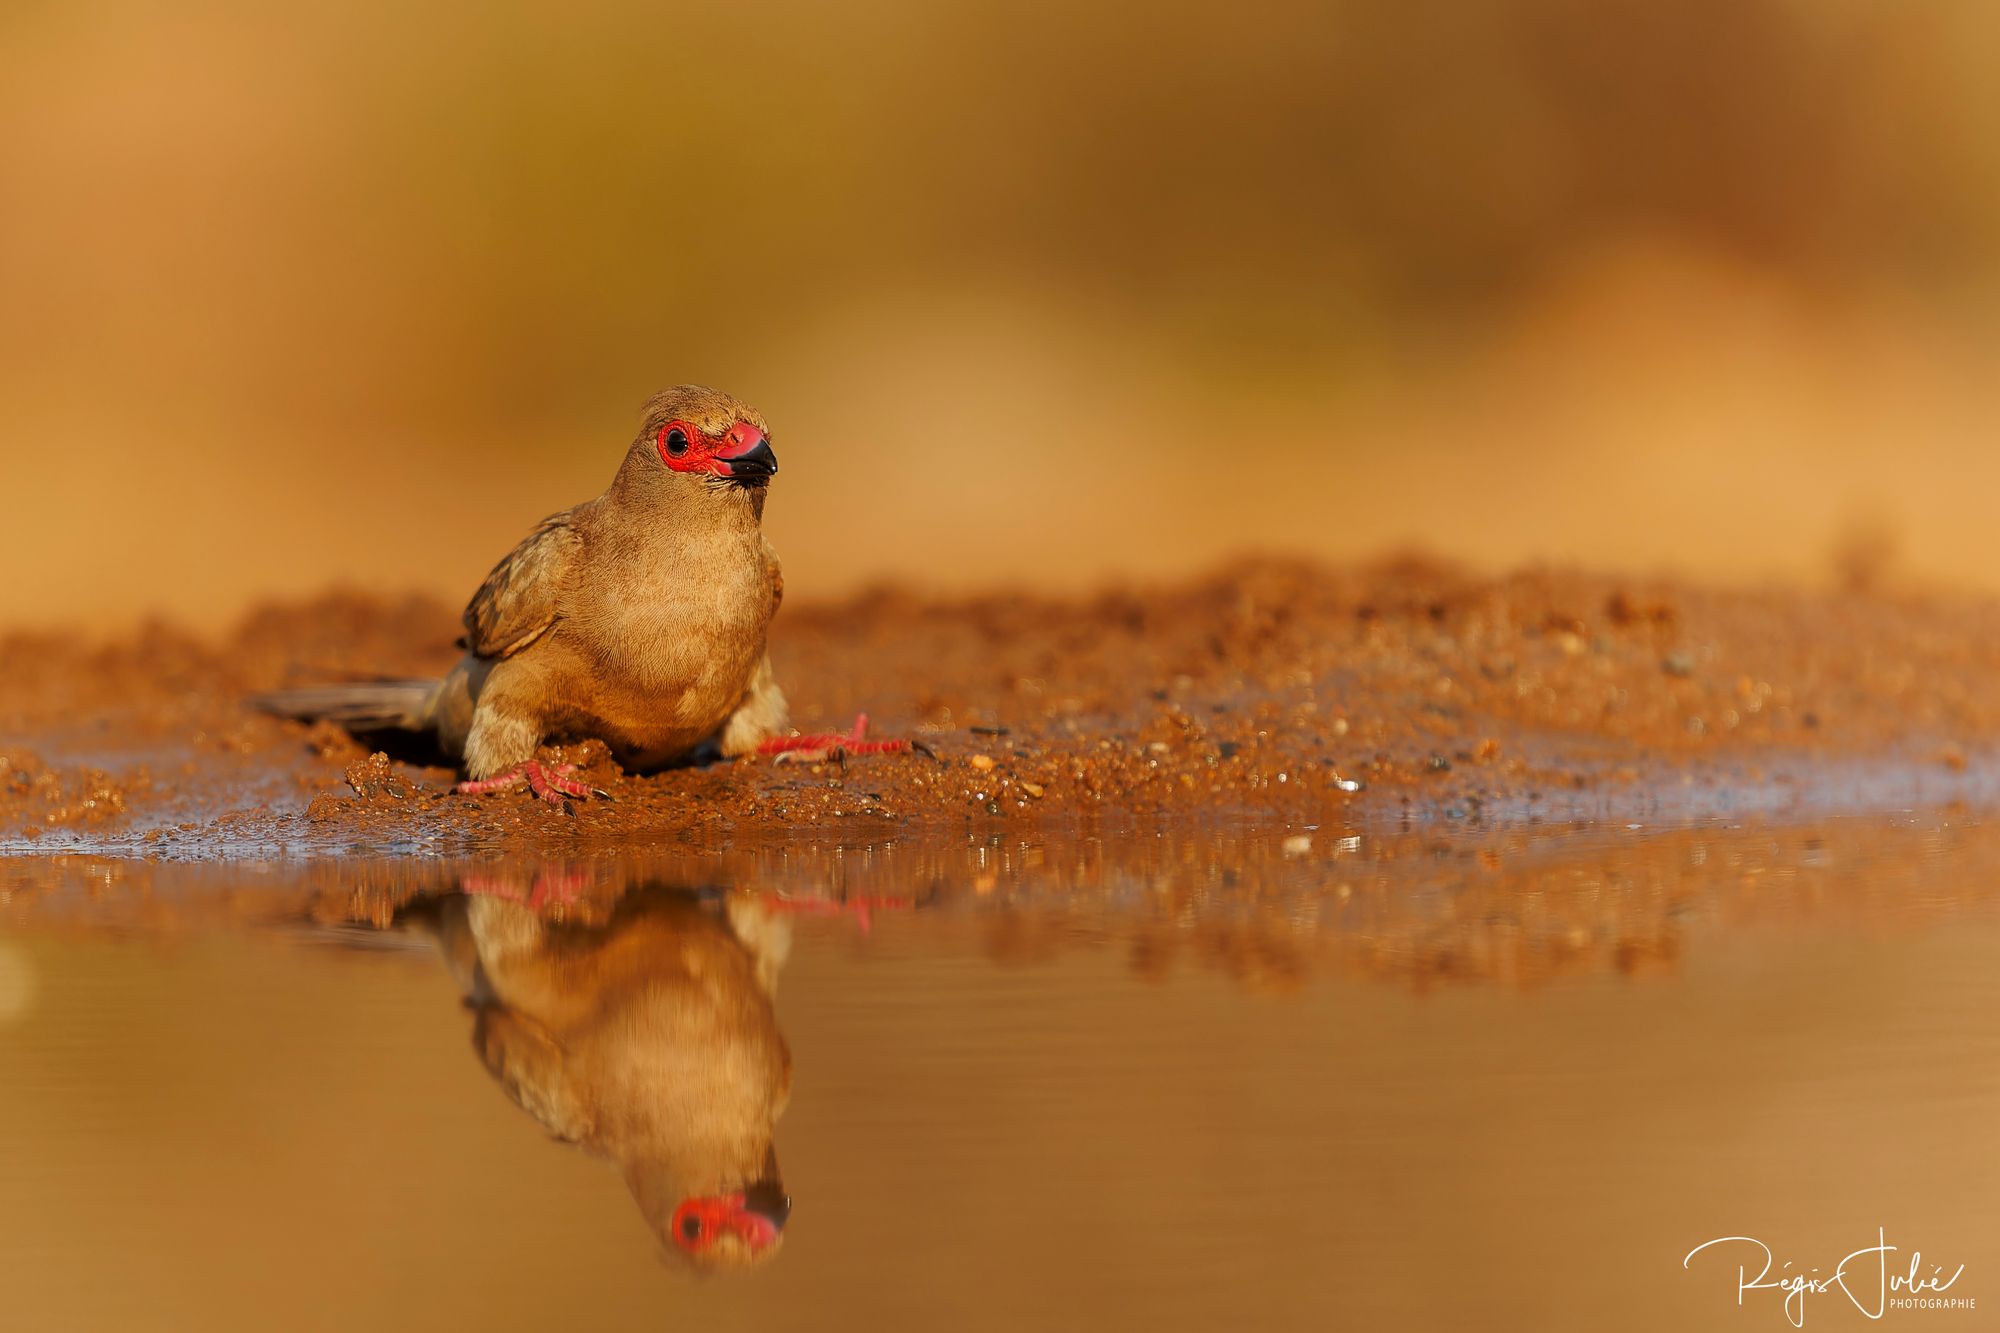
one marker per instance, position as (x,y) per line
(753,466)
(767,1199)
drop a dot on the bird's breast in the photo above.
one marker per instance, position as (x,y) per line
(678,644)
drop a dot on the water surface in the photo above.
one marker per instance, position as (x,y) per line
(1162,1082)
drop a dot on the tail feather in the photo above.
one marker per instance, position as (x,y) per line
(390,705)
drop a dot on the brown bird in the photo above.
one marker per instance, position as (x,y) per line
(638,618)
(650,1039)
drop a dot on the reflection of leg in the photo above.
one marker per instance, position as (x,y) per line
(833,745)
(862,907)
(501,927)
(553,886)
(764,929)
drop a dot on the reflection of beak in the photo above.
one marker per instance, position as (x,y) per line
(758,1214)
(768,1200)
(745,456)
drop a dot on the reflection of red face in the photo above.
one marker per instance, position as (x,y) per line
(742,454)
(698,1223)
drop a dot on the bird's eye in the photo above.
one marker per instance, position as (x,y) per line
(677,442)
(690,1226)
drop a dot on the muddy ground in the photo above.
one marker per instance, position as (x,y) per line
(1264,694)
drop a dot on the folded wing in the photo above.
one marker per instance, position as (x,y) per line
(522,597)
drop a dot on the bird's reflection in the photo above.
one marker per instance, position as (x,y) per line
(648,1037)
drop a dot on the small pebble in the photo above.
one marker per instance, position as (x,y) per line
(983,762)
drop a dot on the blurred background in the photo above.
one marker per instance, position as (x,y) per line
(1034,294)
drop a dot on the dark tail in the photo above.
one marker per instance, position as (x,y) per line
(388,705)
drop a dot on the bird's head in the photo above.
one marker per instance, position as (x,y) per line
(733,1230)
(701,438)
(717,1227)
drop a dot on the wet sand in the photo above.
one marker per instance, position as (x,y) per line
(1264,693)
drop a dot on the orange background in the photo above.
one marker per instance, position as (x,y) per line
(1032,294)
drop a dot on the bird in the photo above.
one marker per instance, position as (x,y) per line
(638,618)
(650,1038)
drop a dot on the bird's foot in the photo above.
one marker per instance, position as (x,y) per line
(862,907)
(826,745)
(551,782)
(558,887)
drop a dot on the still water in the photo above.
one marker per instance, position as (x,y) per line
(1164,1083)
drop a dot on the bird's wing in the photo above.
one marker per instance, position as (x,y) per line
(528,1063)
(520,598)
(777,572)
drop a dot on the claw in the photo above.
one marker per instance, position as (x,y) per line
(550,782)
(822,746)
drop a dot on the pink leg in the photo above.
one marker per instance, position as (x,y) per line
(551,782)
(832,745)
